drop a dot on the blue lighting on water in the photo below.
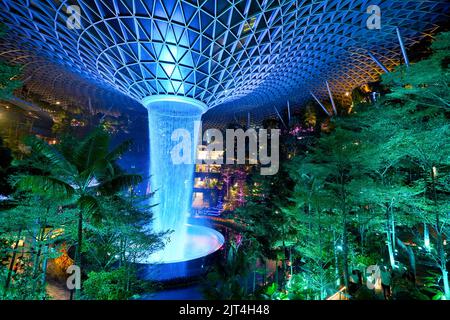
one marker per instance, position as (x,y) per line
(172,183)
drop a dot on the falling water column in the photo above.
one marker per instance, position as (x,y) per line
(171,182)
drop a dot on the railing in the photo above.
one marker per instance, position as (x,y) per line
(340,295)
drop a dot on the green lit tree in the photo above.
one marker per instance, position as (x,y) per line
(383,190)
(264,222)
(426,82)
(124,235)
(36,223)
(420,97)
(428,143)
(116,284)
(335,157)
(315,239)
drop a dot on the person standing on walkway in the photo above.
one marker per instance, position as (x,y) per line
(386,278)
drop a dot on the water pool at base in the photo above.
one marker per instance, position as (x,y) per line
(200,241)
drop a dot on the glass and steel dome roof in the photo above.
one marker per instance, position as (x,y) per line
(230,54)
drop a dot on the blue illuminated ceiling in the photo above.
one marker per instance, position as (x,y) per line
(233,55)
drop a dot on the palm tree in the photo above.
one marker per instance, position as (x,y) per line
(81,170)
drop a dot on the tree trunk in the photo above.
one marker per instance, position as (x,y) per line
(344,231)
(446,285)
(79,246)
(389,236)
(80,239)
(411,257)
(362,235)
(392,225)
(426,236)
(44,268)
(440,246)
(37,258)
(336,262)
(290,260)
(345,256)
(443,265)
(390,250)
(13,259)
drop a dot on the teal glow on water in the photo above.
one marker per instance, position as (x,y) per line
(199,241)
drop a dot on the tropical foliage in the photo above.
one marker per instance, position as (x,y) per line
(74,194)
(372,189)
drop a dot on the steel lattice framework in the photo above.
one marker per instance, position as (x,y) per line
(57,85)
(230,54)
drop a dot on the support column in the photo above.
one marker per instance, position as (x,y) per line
(402,46)
(320,104)
(378,62)
(331,98)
